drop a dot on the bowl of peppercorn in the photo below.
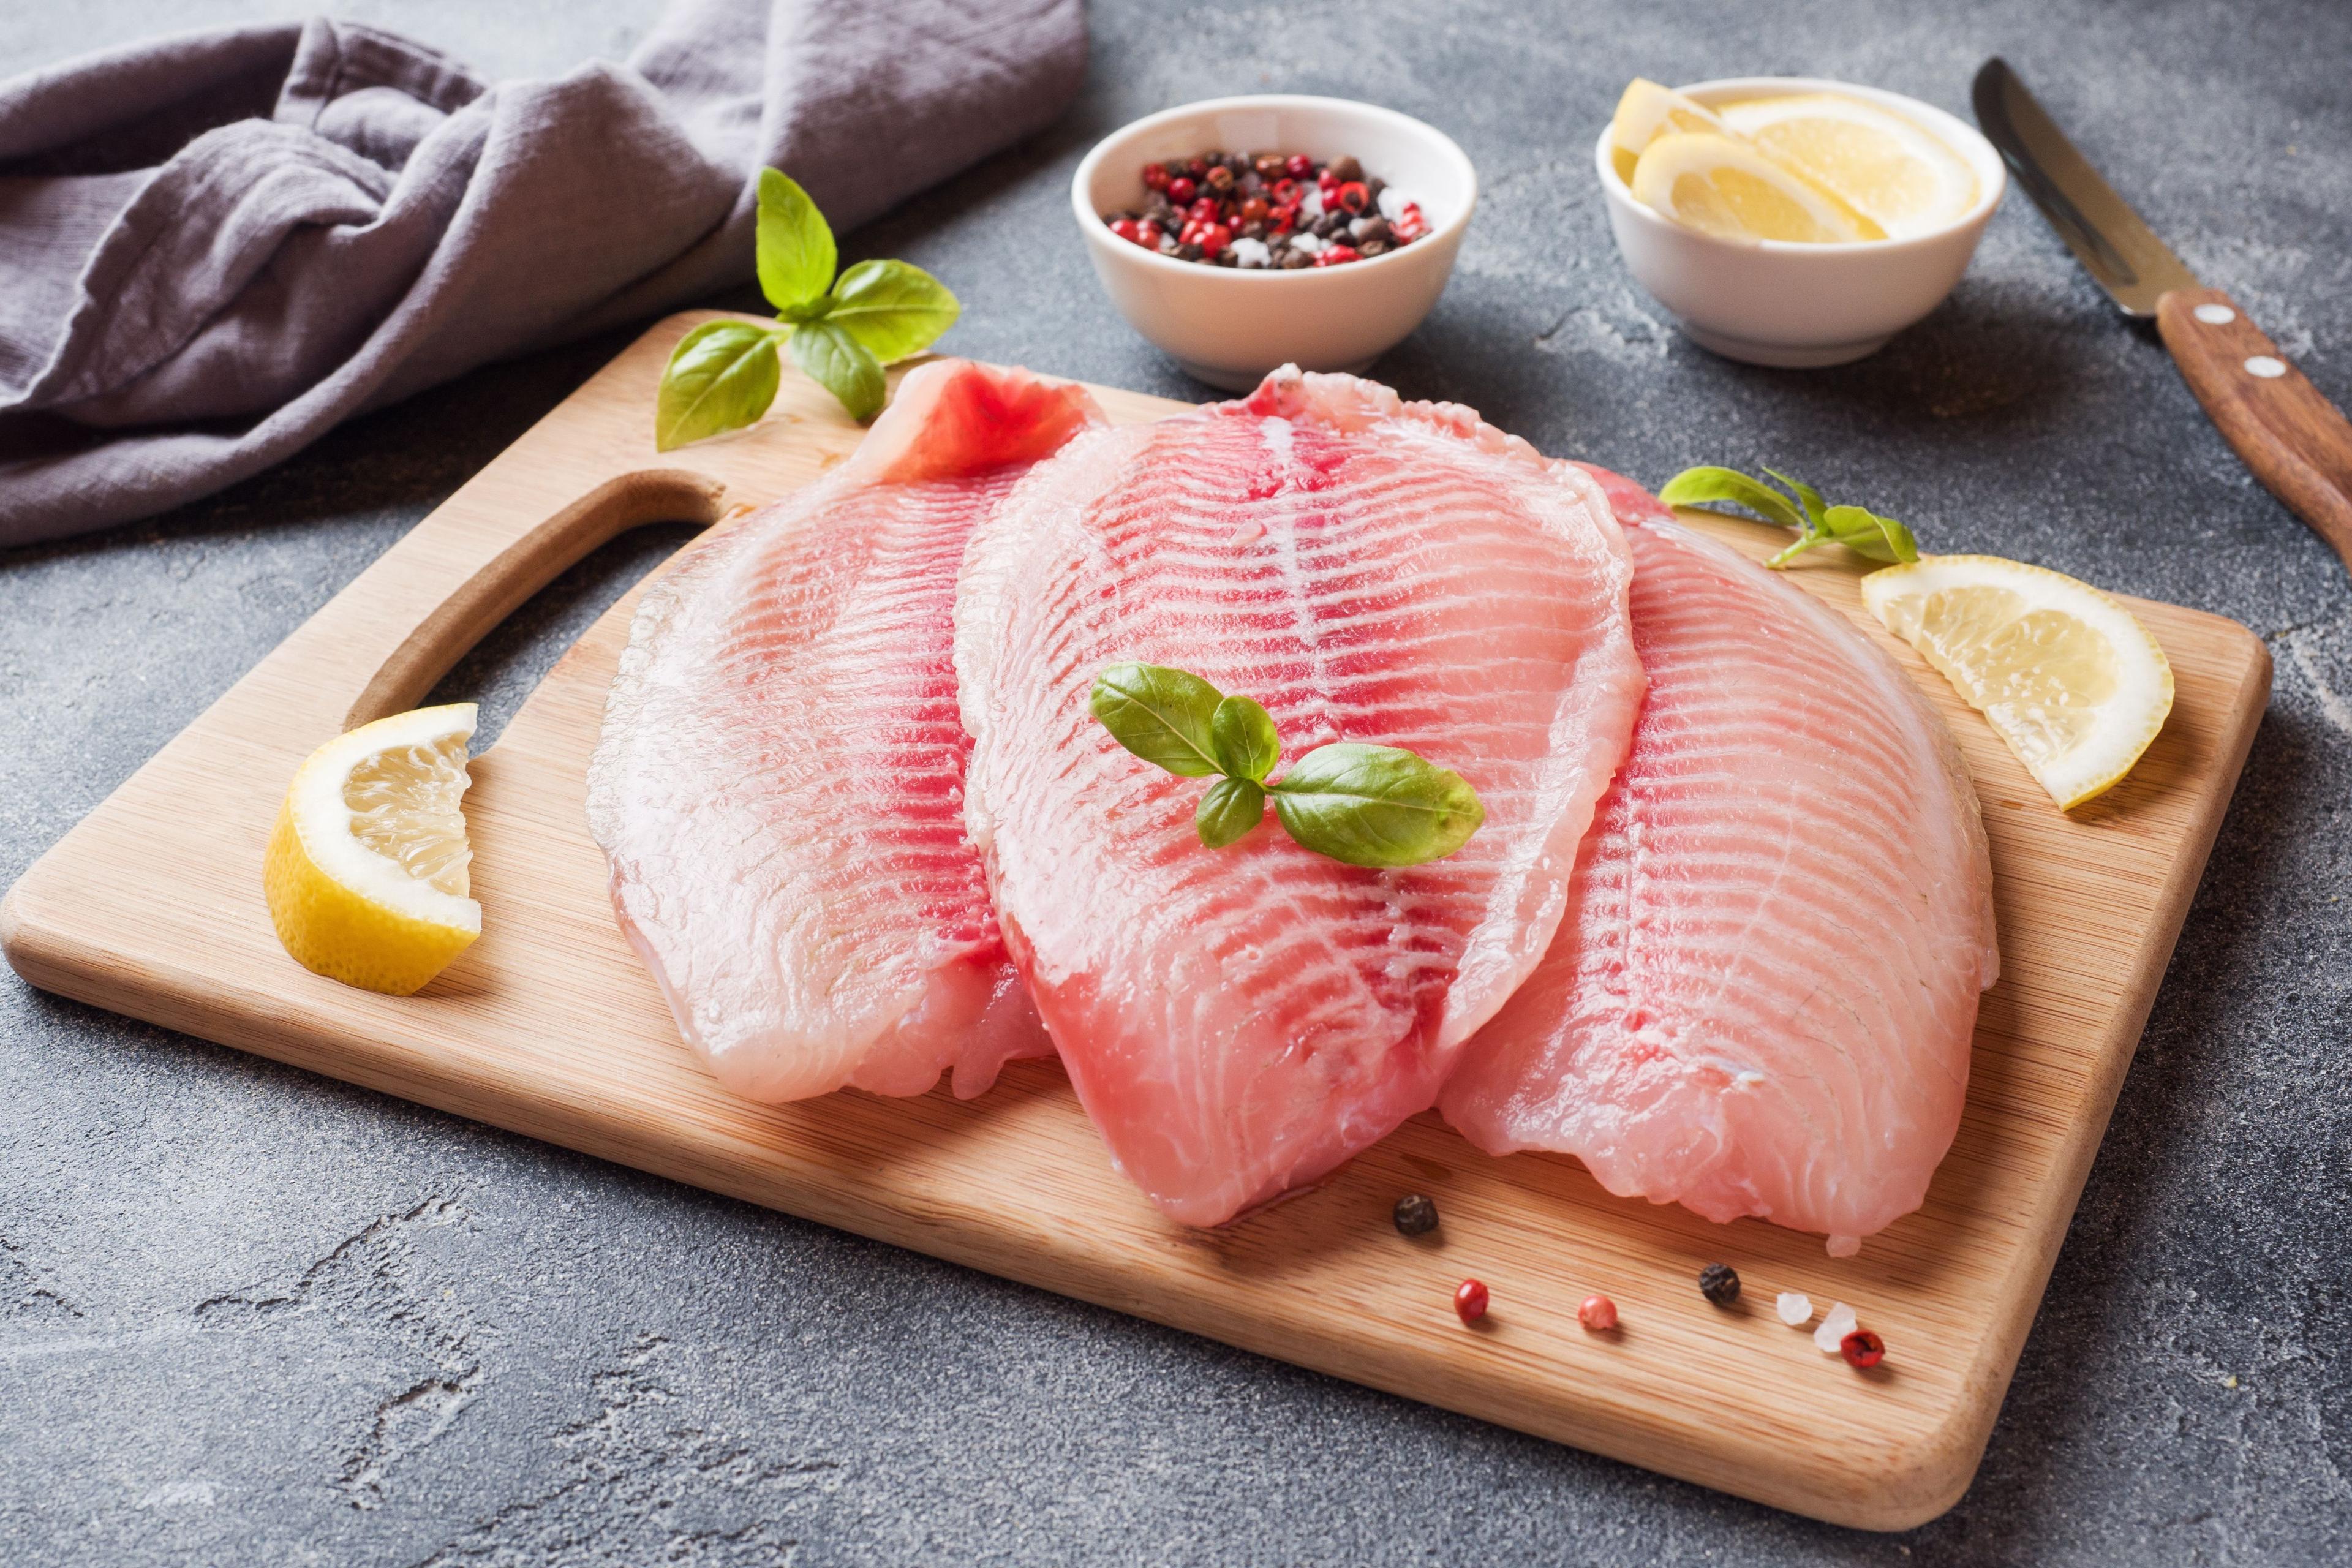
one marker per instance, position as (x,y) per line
(1243,234)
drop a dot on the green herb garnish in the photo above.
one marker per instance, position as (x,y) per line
(723,374)
(1366,805)
(1865,532)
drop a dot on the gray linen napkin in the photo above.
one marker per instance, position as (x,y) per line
(212,247)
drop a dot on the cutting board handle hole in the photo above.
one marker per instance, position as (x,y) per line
(510,579)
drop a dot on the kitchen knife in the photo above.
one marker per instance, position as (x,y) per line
(2293,439)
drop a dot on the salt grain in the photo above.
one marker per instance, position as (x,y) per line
(1834,1328)
(1795,1309)
(1392,203)
(1248,252)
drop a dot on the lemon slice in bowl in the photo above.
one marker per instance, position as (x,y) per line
(367,867)
(1889,168)
(2062,672)
(1648,111)
(1723,186)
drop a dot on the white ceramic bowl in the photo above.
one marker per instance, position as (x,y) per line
(1774,303)
(1229,327)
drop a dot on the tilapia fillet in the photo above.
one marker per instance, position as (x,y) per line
(1761,999)
(1238,1022)
(779,784)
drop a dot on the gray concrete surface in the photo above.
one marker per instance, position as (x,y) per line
(252,1316)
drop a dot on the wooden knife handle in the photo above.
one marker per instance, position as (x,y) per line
(2293,439)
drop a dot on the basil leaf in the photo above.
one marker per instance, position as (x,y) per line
(1696,487)
(1230,809)
(894,309)
(795,248)
(1162,715)
(721,377)
(1243,736)
(807,311)
(839,363)
(1870,535)
(1807,497)
(1376,806)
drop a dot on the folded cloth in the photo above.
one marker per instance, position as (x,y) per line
(214,247)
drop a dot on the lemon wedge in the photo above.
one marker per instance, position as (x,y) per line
(1648,111)
(1723,186)
(366,872)
(1891,169)
(2062,672)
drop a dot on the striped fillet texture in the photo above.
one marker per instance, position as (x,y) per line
(1238,1022)
(779,784)
(1761,999)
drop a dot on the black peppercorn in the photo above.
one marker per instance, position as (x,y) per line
(1346,169)
(1372,248)
(1371,230)
(1416,1215)
(1719,1283)
(1188,251)
(1372,189)
(1331,226)
(1253,229)
(1292,260)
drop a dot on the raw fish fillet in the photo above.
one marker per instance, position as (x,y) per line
(779,785)
(1761,998)
(1240,1021)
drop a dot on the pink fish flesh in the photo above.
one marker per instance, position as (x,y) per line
(1761,999)
(1238,1022)
(779,785)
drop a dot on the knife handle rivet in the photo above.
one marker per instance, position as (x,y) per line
(2269,369)
(2216,315)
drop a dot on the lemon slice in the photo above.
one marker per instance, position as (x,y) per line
(1891,169)
(2062,672)
(366,872)
(1648,111)
(1724,187)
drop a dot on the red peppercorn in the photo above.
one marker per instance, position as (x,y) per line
(1470,1301)
(1128,229)
(1255,210)
(1338,255)
(1354,196)
(1409,225)
(1181,190)
(1286,192)
(1299,166)
(1155,176)
(1598,1313)
(1283,218)
(1863,1348)
(1212,239)
(1201,210)
(1197,168)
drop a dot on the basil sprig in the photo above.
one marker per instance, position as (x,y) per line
(1366,805)
(723,374)
(1865,532)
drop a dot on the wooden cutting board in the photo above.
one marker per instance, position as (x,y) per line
(153,907)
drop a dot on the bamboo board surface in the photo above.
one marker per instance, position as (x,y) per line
(548,1026)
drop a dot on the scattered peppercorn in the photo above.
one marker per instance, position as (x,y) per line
(1598,1313)
(1863,1348)
(1416,1215)
(1470,1301)
(1719,1283)
(1299,212)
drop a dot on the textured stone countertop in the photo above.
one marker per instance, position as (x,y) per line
(249,1315)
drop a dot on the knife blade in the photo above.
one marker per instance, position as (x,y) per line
(2285,429)
(2118,250)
